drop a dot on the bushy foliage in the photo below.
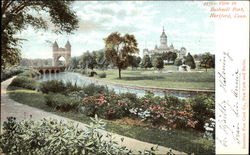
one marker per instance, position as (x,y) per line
(87,60)
(168,111)
(24,82)
(93,89)
(102,75)
(204,109)
(54,86)
(92,73)
(158,62)
(58,86)
(106,106)
(207,61)
(61,102)
(189,60)
(49,136)
(8,73)
(146,62)
(72,87)
(30,73)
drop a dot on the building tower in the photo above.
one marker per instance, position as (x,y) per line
(55,46)
(163,40)
(61,52)
(55,49)
(68,49)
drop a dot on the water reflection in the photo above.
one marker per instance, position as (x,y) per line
(82,81)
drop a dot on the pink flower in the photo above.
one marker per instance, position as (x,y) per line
(170,121)
(174,126)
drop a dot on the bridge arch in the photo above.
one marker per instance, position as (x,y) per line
(48,70)
(41,72)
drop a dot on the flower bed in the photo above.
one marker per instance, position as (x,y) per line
(167,111)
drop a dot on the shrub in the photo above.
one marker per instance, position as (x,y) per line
(204,109)
(133,103)
(24,82)
(72,87)
(168,111)
(93,89)
(49,136)
(102,75)
(61,102)
(30,73)
(92,73)
(106,106)
(54,86)
(5,74)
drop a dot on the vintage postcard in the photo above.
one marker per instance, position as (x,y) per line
(124,77)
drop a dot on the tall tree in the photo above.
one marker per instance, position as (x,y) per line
(88,60)
(19,14)
(189,60)
(158,62)
(169,56)
(207,61)
(146,62)
(118,49)
(138,61)
(101,60)
(134,61)
(73,62)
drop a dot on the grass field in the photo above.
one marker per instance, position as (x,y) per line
(185,141)
(164,79)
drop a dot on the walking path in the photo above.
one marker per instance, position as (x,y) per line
(10,107)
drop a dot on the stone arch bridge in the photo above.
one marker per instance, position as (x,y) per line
(49,70)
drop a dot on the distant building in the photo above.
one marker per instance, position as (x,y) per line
(165,48)
(61,52)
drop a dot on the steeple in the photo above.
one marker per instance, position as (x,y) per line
(163,40)
(163,35)
(55,46)
(68,46)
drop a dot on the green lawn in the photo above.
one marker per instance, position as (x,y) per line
(163,79)
(185,141)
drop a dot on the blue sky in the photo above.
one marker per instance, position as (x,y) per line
(186,24)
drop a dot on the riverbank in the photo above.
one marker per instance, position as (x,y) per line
(80,80)
(148,88)
(10,107)
(184,141)
(137,84)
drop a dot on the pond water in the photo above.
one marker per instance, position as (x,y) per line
(81,81)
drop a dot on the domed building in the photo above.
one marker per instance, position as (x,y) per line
(165,48)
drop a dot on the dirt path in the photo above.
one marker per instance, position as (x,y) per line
(10,107)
